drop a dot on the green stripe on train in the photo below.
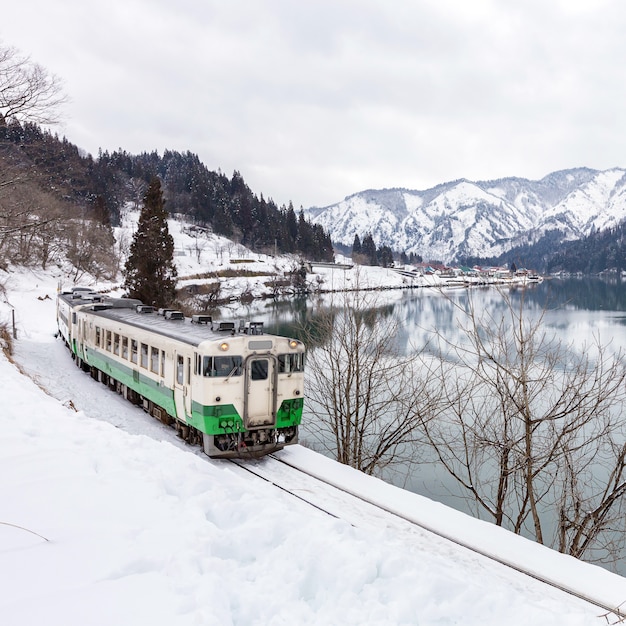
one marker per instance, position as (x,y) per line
(290,413)
(161,396)
(215,420)
(224,418)
(212,420)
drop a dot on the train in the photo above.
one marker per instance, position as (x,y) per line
(230,387)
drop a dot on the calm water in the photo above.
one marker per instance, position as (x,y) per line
(578,311)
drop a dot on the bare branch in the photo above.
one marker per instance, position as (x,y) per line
(28,92)
(532,428)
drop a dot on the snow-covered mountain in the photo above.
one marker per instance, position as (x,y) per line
(483,218)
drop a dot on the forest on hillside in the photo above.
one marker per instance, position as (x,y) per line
(46,180)
(601,251)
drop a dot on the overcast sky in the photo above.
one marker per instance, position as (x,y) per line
(314,101)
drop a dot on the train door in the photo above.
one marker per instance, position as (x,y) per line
(82,334)
(74,332)
(260,406)
(182,389)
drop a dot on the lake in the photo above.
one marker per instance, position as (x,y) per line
(577,311)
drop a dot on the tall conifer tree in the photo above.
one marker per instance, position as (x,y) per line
(150,273)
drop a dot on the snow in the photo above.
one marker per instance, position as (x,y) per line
(107,518)
(441,223)
(209,254)
(593,203)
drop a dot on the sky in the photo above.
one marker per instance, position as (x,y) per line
(108,518)
(312,102)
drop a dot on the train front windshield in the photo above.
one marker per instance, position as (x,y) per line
(222,366)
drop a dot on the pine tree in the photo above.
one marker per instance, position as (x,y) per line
(385,256)
(304,243)
(368,248)
(150,273)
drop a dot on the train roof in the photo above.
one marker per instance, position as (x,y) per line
(167,322)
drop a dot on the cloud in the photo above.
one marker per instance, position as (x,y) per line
(314,101)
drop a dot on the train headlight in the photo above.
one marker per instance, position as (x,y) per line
(223,346)
(293,344)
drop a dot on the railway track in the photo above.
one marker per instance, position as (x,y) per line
(329,497)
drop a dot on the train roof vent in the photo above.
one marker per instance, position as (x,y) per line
(226,327)
(144,308)
(124,303)
(253,328)
(201,319)
(163,311)
(101,307)
(174,315)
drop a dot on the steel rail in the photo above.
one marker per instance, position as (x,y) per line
(618,612)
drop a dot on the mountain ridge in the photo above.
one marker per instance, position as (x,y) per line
(486,218)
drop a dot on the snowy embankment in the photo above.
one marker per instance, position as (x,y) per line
(203,257)
(106,518)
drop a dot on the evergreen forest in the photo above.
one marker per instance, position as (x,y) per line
(97,188)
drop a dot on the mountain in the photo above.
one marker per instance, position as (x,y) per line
(481,219)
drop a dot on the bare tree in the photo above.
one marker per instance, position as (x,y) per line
(532,431)
(29,217)
(90,247)
(361,388)
(137,189)
(28,92)
(200,242)
(29,221)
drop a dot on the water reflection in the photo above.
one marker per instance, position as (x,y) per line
(576,311)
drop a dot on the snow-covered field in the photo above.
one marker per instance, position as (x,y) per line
(197,253)
(106,518)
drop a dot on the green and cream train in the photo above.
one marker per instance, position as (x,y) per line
(229,387)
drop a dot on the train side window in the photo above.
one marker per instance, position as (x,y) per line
(108,347)
(144,355)
(227,366)
(162,363)
(133,351)
(125,348)
(98,336)
(180,368)
(116,344)
(207,366)
(154,359)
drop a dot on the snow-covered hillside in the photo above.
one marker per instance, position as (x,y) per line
(484,218)
(106,518)
(200,256)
